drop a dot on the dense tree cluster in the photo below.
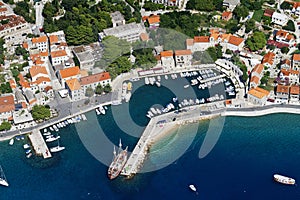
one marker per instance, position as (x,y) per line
(286,5)
(22,8)
(5,88)
(144,58)
(22,51)
(205,5)
(215,52)
(150,6)
(2,49)
(82,22)
(40,112)
(252,4)
(257,41)
(184,22)
(241,11)
(236,60)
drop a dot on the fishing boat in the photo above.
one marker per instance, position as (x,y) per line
(284,179)
(11,142)
(3,180)
(192,187)
(118,162)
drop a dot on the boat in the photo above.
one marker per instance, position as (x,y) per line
(51,129)
(11,142)
(192,187)
(129,86)
(153,110)
(57,148)
(186,86)
(146,80)
(29,155)
(97,111)
(45,130)
(51,139)
(166,77)
(47,134)
(28,151)
(102,110)
(83,117)
(26,146)
(118,162)
(157,84)
(127,97)
(284,179)
(3,180)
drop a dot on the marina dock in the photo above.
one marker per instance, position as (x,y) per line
(161,124)
(39,144)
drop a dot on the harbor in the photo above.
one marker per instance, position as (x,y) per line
(162,124)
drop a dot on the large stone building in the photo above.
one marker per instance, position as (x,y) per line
(130,32)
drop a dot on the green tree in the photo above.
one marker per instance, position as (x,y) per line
(232,26)
(212,52)
(107,88)
(286,5)
(5,88)
(89,92)
(257,41)
(5,126)
(284,50)
(99,89)
(250,25)
(40,112)
(290,26)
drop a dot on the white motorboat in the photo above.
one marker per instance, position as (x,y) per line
(29,155)
(157,84)
(158,111)
(83,117)
(166,77)
(45,130)
(3,180)
(26,146)
(127,97)
(47,134)
(158,78)
(193,188)
(186,86)
(284,179)
(153,110)
(51,129)
(146,80)
(97,111)
(102,110)
(51,139)
(11,142)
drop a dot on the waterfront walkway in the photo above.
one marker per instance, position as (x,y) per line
(39,144)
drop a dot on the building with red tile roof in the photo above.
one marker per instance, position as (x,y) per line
(69,73)
(153,21)
(183,58)
(74,88)
(167,59)
(258,96)
(226,16)
(285,38)
(38,71)
(92,81)
(58,57)
(41,43)
(282,94)
(7,106)
(268,59)
(235,43)
(15,30)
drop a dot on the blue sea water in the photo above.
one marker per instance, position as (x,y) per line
(240,166)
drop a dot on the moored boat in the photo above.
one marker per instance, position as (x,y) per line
(118,162)
(284,179)
(11,142)
(3,180)
(102,110)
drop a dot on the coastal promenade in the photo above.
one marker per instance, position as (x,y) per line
(163,124)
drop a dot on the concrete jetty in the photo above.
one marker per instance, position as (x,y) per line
(160,125)
(213,78)
(39,144)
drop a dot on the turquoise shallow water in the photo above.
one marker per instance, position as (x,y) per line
(240,166)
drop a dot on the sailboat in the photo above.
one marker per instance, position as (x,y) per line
(57,148)
(3,180)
